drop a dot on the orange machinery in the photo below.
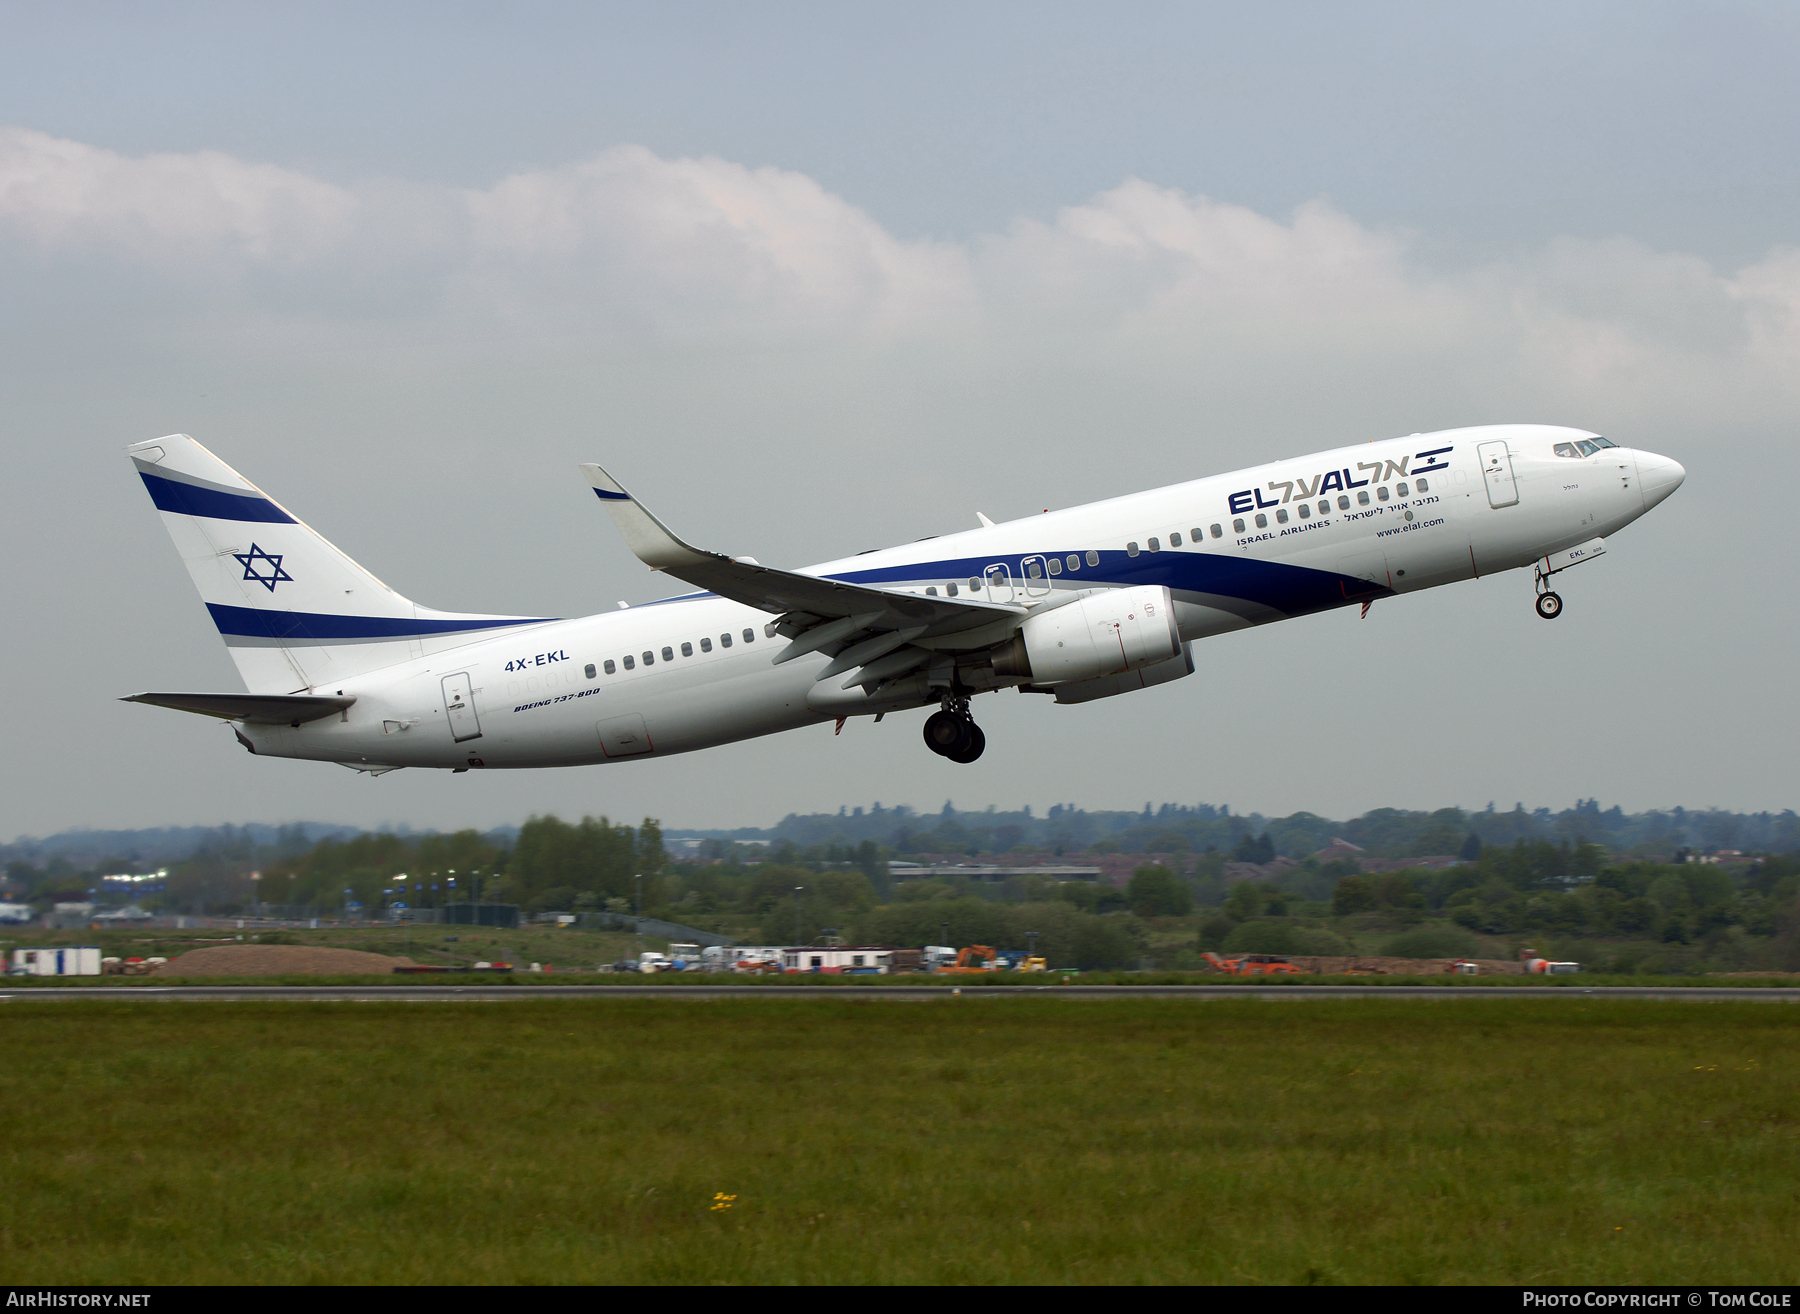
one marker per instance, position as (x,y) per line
(967,958)
(1253,965)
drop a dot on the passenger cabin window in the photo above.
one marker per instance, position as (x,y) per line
(588,670)
(1381,494)
(649,659)
(1175,539)
(1034,568)
(950,588)
(1305,511)
(706,645)
(668,654)
(1074,561)
(1093,558)
(630,663)
(1281,516)
(1325,507)
(1237,526)
(749,636)
(1422,486)
(1400,489)
(974,584)
(1343,504)
(1217,532)
(609,668)
(687,650)
(1262,521)
(931,590)
(1362,498)
(1155,545)
(724,640)
(1054,565)
(1131,549)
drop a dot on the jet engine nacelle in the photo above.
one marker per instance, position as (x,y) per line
(1102,634)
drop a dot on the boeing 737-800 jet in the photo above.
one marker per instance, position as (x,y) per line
(1084,603)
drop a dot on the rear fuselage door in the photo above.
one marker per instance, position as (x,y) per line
(1497,474)
(459,707)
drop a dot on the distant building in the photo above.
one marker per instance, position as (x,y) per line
(917,871)
(1341,848)
(873,958)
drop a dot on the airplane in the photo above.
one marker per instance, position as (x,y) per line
(1077,604)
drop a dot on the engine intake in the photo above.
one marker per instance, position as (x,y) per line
(1102,634)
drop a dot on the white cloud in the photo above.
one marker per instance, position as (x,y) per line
(58,193)
(708,240)
(628,245)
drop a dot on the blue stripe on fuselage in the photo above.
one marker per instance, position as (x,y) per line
(322,627)
(191,500)
(1291,590)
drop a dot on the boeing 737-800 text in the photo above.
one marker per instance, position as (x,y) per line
(1084,603)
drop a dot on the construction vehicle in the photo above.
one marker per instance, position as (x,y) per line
(1252,965)
(1034,964)
(966,961)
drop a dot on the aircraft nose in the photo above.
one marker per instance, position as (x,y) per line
(1658,476)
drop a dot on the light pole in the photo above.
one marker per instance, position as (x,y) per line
(797,890)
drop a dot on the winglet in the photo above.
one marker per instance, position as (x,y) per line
(651,541)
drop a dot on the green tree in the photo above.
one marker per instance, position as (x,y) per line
(1158,892)
(1353,894)
(1245,900)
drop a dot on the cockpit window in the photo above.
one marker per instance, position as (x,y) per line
(1567,449)
(1603,442)
(1583,447)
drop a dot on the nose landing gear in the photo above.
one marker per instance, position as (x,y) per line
(1549,605)
(953,734)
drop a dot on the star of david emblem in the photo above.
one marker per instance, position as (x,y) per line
(248,560)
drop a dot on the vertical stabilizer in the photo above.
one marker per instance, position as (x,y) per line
(296,613)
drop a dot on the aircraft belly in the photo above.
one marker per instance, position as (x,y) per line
(1203,615)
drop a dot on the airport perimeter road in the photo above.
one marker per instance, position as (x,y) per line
(426,994)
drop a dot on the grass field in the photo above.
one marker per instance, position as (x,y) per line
(951,1140)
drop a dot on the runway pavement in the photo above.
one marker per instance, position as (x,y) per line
(426,994)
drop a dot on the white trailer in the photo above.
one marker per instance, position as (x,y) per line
(74,960)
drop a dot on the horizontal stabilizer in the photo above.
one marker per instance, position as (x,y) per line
(258,709)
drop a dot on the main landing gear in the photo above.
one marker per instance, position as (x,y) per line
(951,733)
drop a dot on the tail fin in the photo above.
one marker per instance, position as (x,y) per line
(296,613)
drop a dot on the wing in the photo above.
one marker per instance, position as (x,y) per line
(261,709)
(883,632)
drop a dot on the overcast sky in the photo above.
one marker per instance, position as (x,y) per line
(816,278)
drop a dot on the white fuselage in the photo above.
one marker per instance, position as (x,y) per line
(1235,550)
